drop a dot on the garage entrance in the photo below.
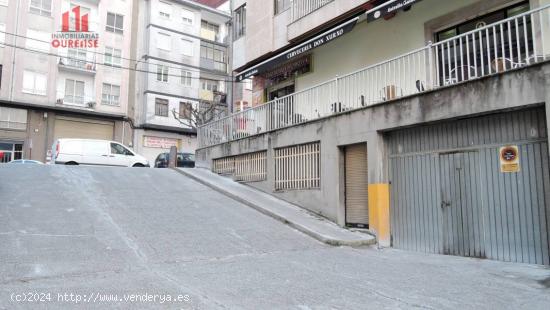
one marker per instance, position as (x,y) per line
(66,127)
(453,190)
(356,191)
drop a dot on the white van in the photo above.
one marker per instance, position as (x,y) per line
(94,152)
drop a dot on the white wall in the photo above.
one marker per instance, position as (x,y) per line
(374,42)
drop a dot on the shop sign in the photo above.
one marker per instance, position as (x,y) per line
(389,9)
(159,142)
(75,32)
(298,51)
(509,159)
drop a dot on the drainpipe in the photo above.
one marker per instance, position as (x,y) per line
(14,42)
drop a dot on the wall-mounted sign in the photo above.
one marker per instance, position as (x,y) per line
(509,158)
(389,9)
(299,50)
(75,32)
(159,142)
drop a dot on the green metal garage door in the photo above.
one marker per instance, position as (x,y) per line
(453,191)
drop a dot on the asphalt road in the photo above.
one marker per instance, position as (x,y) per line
(123,238)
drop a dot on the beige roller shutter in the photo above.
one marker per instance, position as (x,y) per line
(82,128)
(356,169)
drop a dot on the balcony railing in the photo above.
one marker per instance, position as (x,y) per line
(512,43)
(81,65)
(301,8)
(76,100)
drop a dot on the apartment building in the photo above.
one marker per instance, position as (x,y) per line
(50,90)
(182,47)
(425,122)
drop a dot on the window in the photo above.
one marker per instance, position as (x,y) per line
(115,23)
(215,53)
(164,41)
(41,7)
(239,20)
(298,167)
(162,73)
(210,27)
(76,58)
(165,10)
(110,95)
(2,34)
(34,83)
(113,57)
(186,77)
(186,110)
(187,17)
(161,107)
(74,91)
(120,150)
(13,118)
(281,6)
(38,40)
(209,85)
(187,47)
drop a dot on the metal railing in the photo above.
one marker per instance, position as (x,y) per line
(512,43)
(301,8)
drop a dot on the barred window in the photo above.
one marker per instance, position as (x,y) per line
(161,107)
(251,167)
(224,165)
(298,167)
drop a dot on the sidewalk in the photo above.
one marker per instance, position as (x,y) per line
(296,217)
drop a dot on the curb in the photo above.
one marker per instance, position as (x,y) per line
(314,234)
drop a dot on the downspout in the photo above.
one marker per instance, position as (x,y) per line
(13,48)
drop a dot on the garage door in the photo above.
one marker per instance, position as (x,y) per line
(452,193)
(357,210)
(82,128)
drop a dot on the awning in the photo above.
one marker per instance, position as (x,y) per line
(389,7)
(297,51)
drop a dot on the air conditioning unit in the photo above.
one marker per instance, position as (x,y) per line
(90,104)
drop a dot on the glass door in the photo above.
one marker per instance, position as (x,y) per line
(10,151)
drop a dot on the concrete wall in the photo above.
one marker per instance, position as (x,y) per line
(515,89)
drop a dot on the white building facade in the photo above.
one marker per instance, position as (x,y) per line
(182,49)
(50,92)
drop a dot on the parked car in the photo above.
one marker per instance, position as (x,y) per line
(26,161)
(184,160)
(95,152)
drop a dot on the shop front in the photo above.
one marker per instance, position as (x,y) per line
(151,143)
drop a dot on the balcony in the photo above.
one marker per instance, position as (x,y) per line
(74,65)
(85,102)
(301,8)
(509,44)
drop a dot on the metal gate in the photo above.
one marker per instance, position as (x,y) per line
(449,194)
(356,175)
